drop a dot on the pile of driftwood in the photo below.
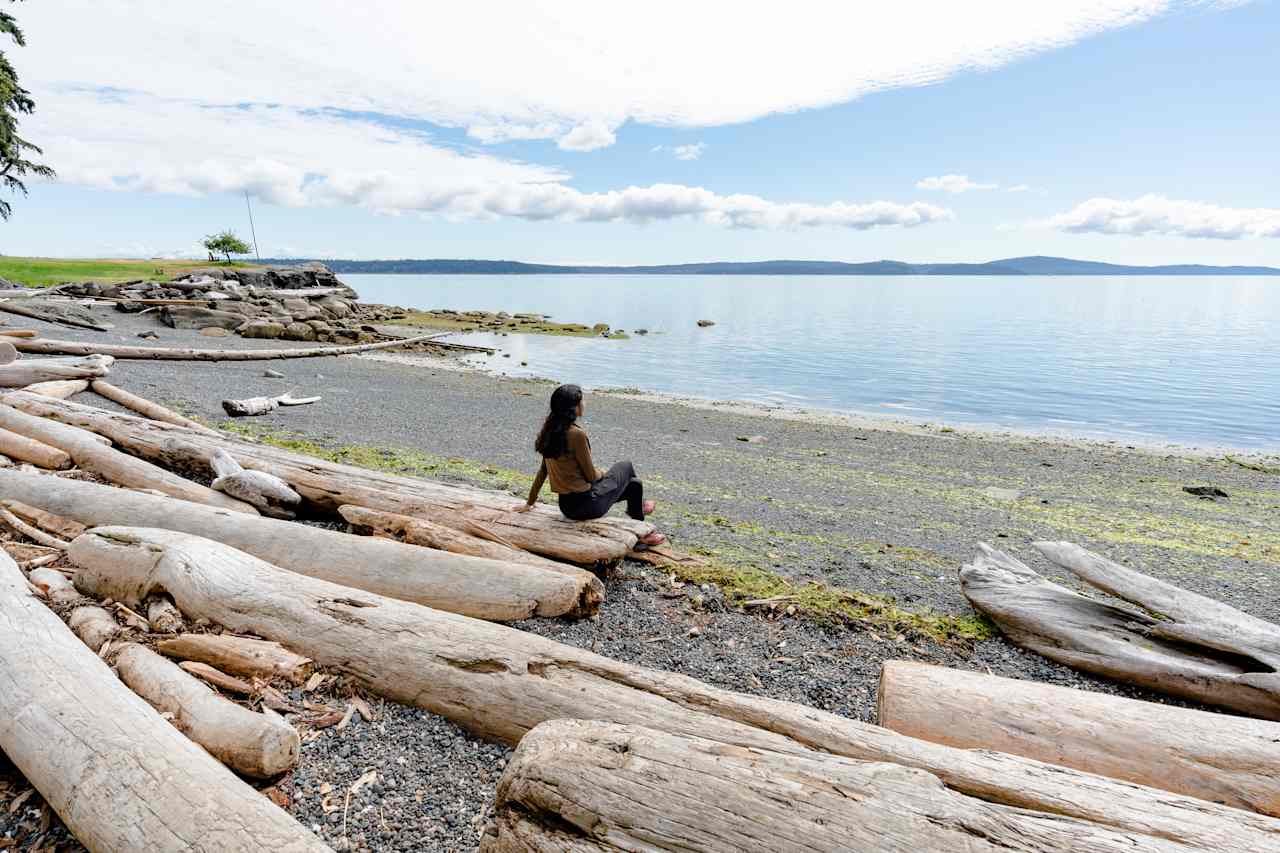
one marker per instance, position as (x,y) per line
(408,606)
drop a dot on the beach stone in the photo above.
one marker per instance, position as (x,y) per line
(1210,492)
(705,323)
(214,332)
(272,374)
(262,329)
(149,335)
(299,332)
(998,494)
(752,439)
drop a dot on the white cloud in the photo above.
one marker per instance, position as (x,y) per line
(1020,188)
(1155,214)
(689,152)
(952,184)
(588,136)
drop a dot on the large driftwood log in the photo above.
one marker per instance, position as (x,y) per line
(145,407)
(1123,644)
(253,406)
(326,486)
(60,314)
(590,787)
(59,389)
(1215,757)
(51,347)
(250,743)
(486,589)
(36,452)
(271,495)
(240,656)
(110,463)
(418,531)
(500,682)
(119,776)
(32,371)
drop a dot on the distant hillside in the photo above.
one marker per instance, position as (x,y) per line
(1034,265)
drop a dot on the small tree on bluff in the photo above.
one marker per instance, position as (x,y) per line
(226,243)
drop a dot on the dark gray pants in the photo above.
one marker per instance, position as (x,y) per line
(619,484)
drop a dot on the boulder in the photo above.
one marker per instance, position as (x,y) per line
(197,317)
(299,332)
(262,329)
(334,307)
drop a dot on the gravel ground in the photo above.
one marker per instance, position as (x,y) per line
(888,510)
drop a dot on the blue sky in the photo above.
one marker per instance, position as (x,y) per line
(1142,132)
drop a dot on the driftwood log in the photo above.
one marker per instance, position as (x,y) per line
(119,776)
(271,495)
(419,531)
(93,625)
(250,743)
(19,333)
(1189,659)
(46,346)
(54,585)
(253,406)
(32,371)
(35,534)
(326,486)
(59,389)
(500,682)
(241,656)
(589,787)
(145,407)
(63,528)
(36,452)
(59,314)
(486,589)
(1215,757)
(111,464)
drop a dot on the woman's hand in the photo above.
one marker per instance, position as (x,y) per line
(522,508)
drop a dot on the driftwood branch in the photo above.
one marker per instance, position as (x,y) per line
(54,347)
(271,495)
(145,407)
(240,656)
(261,405)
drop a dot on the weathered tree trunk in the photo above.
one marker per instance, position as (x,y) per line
(500,682)
(271,495)
(486,589)
(418,531)
(110,463)
(32,371)
(240,656)
(119,776)
(250,743)
(51,347)
(145,407)
(326,486)
(579,785)
(93,625)
(1215,757)
(1122,644)
(59,389)
(36,452)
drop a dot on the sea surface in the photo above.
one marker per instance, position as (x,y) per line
(1185,360)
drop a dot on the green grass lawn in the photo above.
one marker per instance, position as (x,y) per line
(44,272)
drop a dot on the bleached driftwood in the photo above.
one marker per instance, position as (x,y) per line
(63,528)
(32,371)
(240,656)
(119,776)
(254,744)
(419,531)
(145,407)
(111,464)
(59,389)
(486,589)
(261,405)
(1200,661)
(587,787)
(93,625)
(36,452)
(326,486)
(35,534)
(46,346)
(499,683)
(271,495)
(217,677)
(54,585)
(1215,757)
(163,614)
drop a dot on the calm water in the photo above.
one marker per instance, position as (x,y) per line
(1186,360)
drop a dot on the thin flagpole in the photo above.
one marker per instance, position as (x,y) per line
(252,230)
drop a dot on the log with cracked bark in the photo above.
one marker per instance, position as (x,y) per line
(242,656)
(499,683)
(31,371)
(59,389)
(1195,659)
(474,586)
(1215,757)
(111,464)
(119,776)
(36,452)
(47,346)
(145,407)
(418,531)
(590,787)
(326,486)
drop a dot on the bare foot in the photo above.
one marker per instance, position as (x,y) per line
(654,538)
(648,507)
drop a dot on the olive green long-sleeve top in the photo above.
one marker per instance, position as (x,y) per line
(574,472)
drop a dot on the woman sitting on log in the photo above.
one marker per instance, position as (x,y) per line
(585,493)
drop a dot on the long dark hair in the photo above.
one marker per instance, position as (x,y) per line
(553,438)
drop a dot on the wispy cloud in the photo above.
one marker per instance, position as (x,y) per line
(1019,188)
(1156,214)
(952,184)
(691,151)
